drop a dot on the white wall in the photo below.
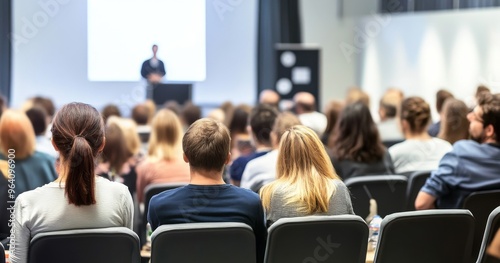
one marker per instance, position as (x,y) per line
(51,46)
(327,26)
(423,52)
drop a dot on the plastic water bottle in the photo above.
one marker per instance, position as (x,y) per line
(149,231)
(374,231)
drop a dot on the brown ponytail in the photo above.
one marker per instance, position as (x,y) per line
(78,133)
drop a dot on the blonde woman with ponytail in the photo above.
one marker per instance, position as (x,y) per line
(306,181)
(78,198)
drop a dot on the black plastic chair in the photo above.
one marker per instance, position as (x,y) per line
(481,203)
(430,236)
(492,226)
(225,242)
(341,238)
(99,245)
(150,191)
(388,190)
(2,254)
(416,181)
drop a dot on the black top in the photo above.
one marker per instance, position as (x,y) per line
(147,68)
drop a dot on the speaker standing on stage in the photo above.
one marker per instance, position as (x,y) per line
(153,69)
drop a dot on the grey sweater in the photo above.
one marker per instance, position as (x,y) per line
(340,204)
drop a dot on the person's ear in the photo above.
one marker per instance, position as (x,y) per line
(489,131)
(54,145)
(185,158)
(228,159)
(102,144)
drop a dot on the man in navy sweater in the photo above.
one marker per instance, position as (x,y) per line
(208,198)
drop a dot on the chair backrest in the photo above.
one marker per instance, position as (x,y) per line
(481,204)
(341,238)
(430,236)
(492,226)
(203,242)
(2,254)
(388,190)
(101,245)
(416,181)
(150,191)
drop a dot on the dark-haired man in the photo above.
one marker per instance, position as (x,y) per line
(472,165)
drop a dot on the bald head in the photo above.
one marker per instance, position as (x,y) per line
(269,97)
(304,102)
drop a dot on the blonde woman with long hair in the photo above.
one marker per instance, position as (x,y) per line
(306,181)
(164,163)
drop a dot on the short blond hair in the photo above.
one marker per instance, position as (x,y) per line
(17,133)
(206,145)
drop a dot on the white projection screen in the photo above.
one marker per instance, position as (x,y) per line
(122,32)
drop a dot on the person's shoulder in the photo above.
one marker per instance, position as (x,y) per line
(441,142)
(108,185)
(43,156)
(246,194)
(466,145)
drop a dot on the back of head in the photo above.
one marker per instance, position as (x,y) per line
(269,97)
(38,118)
(356,136)
(283,122)
(129,130)
(190,113)
(490,104)
(206,145)
(239,121)
(441,96)
(261,121)
(78,134)
(110,110)
(170,105)
(304,170)
(45,103)
(417,113)
(480,89)
(165,138)
(115,151)
(390,102)
(140,114)
(304,102)
(355,94)
(454,123)
(17,133)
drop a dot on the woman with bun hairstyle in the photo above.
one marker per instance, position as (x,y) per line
(78,198)
(420,151)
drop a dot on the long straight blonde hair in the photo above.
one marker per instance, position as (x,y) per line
(304,172)
(166,136)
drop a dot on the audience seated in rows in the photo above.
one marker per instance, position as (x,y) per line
(207,198)
(441,97)
(115,161)
(454,123)
(77,199)
(306,181)
(472,165)
(420,151)
(261,122)
(388,126)
(357,148)
(262,170)
(305,108)
(164,162)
